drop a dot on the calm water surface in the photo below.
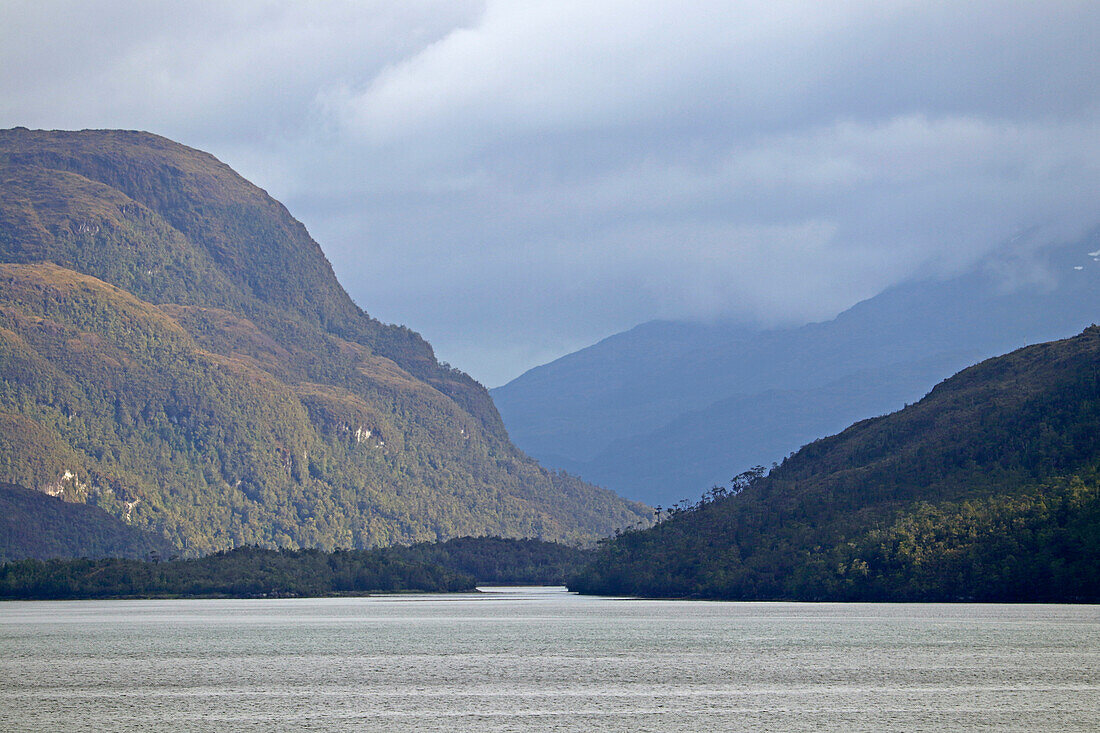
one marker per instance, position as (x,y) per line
(537,659)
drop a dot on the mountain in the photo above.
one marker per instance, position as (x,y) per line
(986,489)
(36,525)
(176,350)
(668,409)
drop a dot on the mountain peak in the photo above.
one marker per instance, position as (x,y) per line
(179,340)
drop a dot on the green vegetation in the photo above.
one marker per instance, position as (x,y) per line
(33,524)
(1039,546)
(456,565)
(175,350)
(247,572)
(496,560)
(987,489)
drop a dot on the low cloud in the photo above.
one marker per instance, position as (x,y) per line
(517,179)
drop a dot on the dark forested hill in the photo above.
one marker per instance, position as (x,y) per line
(667,409)
(175,349)
(456,565)
(988,488)
(33,524)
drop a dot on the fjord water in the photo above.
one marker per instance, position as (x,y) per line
(543,659)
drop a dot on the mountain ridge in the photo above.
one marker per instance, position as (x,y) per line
(596,411)
(175,338)
(988,488)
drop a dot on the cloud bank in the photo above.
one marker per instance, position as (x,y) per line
(516,179)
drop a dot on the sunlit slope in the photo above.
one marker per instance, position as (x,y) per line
(175,349)
(987,488)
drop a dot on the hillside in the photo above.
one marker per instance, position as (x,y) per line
(175,349)
(668,409)
(36,525)
(988,488)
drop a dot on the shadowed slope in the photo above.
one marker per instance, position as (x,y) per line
(35,525)
(987,488)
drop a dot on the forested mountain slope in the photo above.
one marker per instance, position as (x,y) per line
(988,488)
(175,349)
(33,524)
(667,409)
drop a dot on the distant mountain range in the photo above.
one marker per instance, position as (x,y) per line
(668,409)
(176,350)
(987,489)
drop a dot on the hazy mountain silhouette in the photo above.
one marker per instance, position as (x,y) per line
(665,410)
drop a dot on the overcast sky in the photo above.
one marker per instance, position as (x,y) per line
(516,179)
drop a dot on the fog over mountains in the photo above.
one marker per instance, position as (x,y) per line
(518,179)
(666,410)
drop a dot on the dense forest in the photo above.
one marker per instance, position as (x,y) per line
(503,561)
(247,572)
(175,350)
(987,489)
(456,565)
(33,524)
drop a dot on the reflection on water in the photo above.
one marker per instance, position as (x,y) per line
(513,659)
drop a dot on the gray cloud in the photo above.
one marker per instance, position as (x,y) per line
(516,179)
